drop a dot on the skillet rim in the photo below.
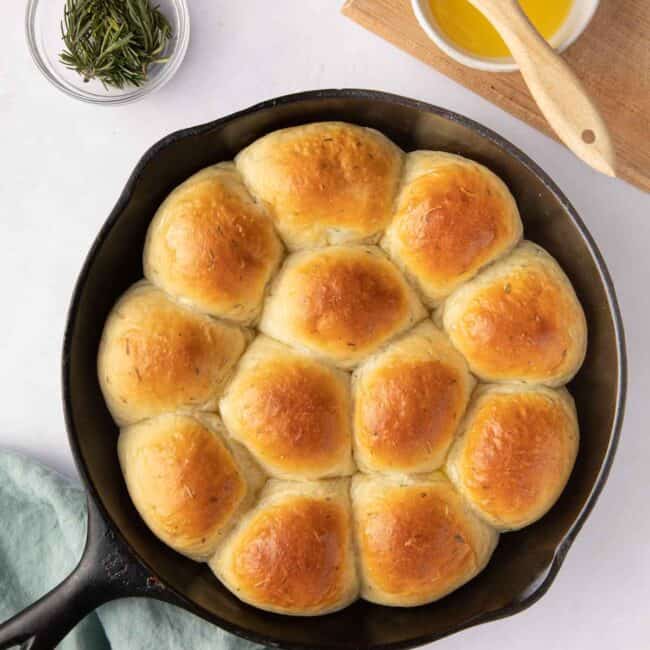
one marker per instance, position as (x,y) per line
(353,93)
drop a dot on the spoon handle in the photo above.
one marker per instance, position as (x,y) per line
(557,90)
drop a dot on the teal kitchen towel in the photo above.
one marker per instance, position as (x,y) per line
(42,535)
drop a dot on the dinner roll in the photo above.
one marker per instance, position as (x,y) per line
(519,320)
(416,538)
(156,356)
(516,451)
(340,303)
(453,217)
(324,183)
(292,554)
(291,411)
(212,246)
(408,401)
(185,481)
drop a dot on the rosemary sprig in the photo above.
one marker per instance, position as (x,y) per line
(114,41)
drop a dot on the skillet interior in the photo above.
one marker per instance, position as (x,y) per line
(525,562)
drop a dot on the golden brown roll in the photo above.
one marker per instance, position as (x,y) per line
(187,482)
(292,554)
(453,217)
(416,538)
(156,356)
(515,453)
(324,183)
(212,246)
(408,401)
(340,303)
(519,320)
(291,411)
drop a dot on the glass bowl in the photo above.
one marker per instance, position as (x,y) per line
(43,26)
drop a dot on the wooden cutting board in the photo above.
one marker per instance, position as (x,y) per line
(612,58)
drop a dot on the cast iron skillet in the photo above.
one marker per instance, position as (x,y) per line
(122,558)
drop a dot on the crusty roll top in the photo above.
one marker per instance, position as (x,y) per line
(185,482)
(516,452)
(210,245)
(453,216)
(293,553)
(340,302)
(416,538)
(324,183)
(519,320)
(408,401)
(291,411)
(156,356)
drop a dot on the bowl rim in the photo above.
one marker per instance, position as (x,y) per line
(134,93)
(488,64)
(352,93)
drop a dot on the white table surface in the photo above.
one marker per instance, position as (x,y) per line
(63,164)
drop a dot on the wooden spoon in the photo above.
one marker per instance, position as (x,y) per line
(558,92)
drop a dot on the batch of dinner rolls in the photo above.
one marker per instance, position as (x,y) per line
(342,376)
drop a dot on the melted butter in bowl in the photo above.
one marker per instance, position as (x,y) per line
(469,29)
(462,32)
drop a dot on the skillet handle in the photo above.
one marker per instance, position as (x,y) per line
(107,571)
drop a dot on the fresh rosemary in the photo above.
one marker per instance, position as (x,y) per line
(114,41)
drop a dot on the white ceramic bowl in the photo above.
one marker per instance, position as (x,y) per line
(581,13)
